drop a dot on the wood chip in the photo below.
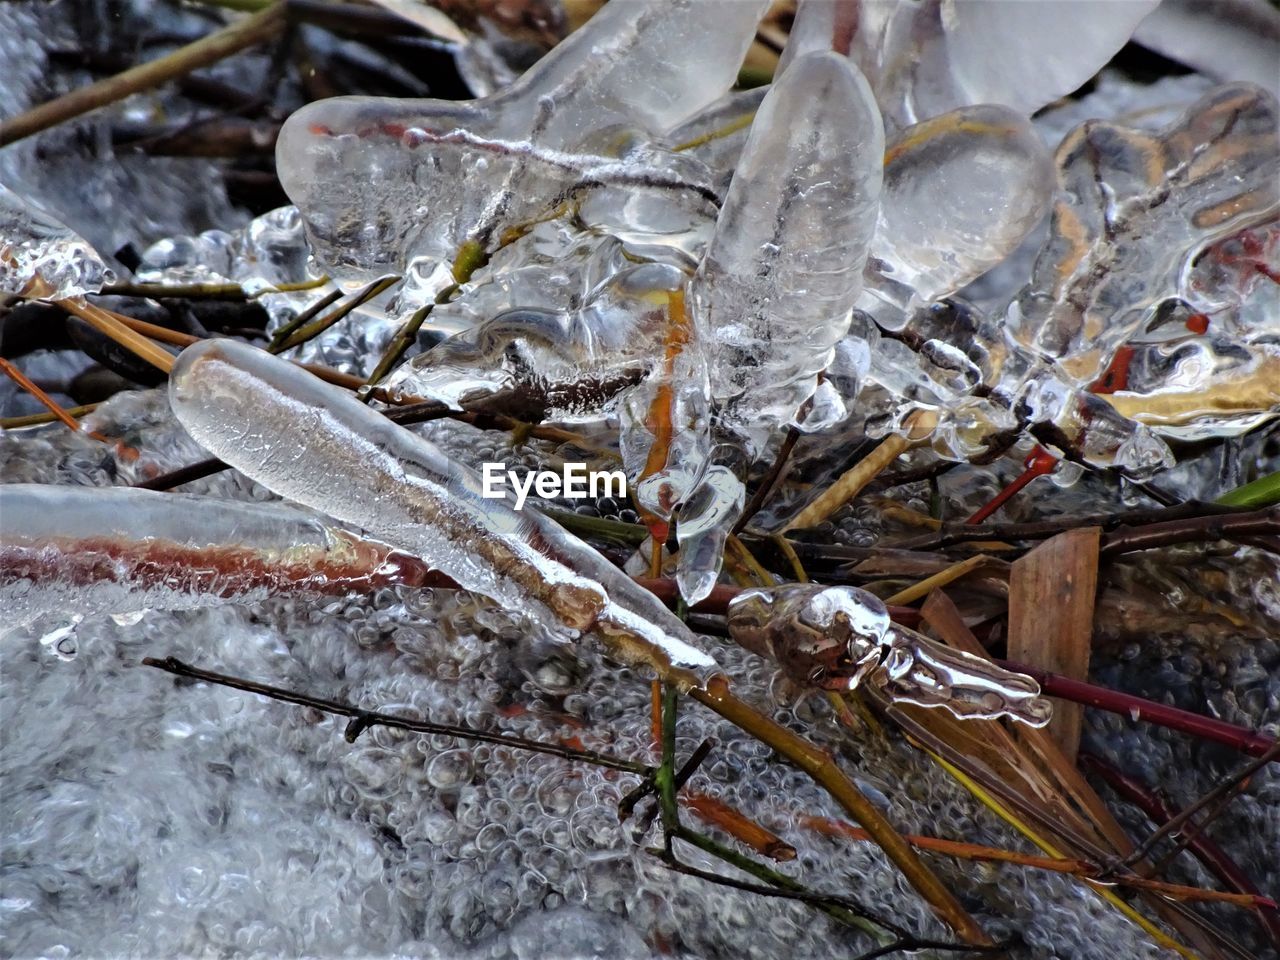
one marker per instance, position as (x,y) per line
(1051,598)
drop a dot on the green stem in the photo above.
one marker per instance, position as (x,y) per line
(1263,492)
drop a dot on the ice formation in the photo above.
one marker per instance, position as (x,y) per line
(773,293)
(840,637)
(438,177)
(41,257)
(961,192)
(926,58)
(282,426)
(69,552)
(1136,209)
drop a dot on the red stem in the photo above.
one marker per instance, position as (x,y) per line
(1138,708)
(1039,462)
(1206,851)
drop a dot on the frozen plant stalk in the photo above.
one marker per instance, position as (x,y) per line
(772,297)
(83,551)
(839,637)
(321,447)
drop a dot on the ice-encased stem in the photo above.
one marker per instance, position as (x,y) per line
(83,551)
(323,448)
(773,294)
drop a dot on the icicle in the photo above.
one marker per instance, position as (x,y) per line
(321,447)
(840,637)
(85,551)
(772,296)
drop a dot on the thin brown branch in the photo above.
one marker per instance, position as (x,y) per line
(361,720)
(217,46)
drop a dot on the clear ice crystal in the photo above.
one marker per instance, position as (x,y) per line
(381,182)
(552,364)
(773,294)
(961,192)
(286,429)
(42,258)
(1135,211)
(840,637)
(926,58)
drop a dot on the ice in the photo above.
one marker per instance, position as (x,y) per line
(1227,40)
(706,515)
(382,182)
(840,637)
(773,294)
(961,192)
(81,552)
(41,258)
(552,364)
(926,58)
(1136,210)
(285,428)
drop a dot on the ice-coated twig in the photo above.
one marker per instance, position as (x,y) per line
(286,429)
(837,637)
(80,551)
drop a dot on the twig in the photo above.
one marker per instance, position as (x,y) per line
(1205,850)
(820,766)
(1138,708)
(939,579)
(742,828)
(1222,791)
(848,485)
(216,46)
(299,331)
(769,481)
(845,909)
(1080,868)
(109,324)
(179,291)
(1264,522)
(955,533)
(55,410)
(362,720)
(40,419)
